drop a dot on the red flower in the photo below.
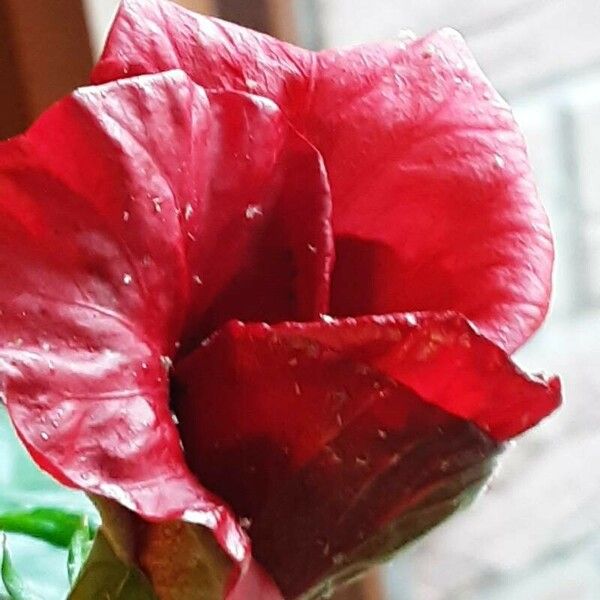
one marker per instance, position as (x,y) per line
(141,216)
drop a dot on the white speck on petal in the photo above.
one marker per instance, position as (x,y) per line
(166,362)
(157,204)
(197,279)
(410,319)
(253,211)
(127,278)
(188,211)
(125,216)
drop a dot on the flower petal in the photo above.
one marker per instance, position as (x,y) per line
(258,229)
(255,583)
(111,204)
(433,193)
(92,303)
(343,440)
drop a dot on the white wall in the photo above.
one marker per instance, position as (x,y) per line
(99,14)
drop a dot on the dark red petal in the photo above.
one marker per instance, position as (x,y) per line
(103,202)
(258,227)
(330,437)
(434,202)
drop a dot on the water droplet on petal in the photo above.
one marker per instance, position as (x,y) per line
(44,436)
(499,161)
(312,248)
(127,278)
(188,211)
(197,279)
(125,216)
(156,202)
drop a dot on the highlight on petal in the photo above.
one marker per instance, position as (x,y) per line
(254,583)
(434,202)
(113,206)
(345,439)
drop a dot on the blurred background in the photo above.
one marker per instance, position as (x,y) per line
(536,534)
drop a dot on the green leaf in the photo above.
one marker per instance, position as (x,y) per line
(52,525)
(105,575)
(79,549)
(15,586)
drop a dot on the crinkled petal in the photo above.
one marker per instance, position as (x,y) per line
(112,207)
(339,441)
(434,202)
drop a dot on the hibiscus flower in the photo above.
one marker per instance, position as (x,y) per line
(257,294)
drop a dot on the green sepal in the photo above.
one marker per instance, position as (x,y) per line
(15,586)
(79,549)
(104,575)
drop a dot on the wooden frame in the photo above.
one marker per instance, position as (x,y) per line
(275,17)
(206,7)
(44,54)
